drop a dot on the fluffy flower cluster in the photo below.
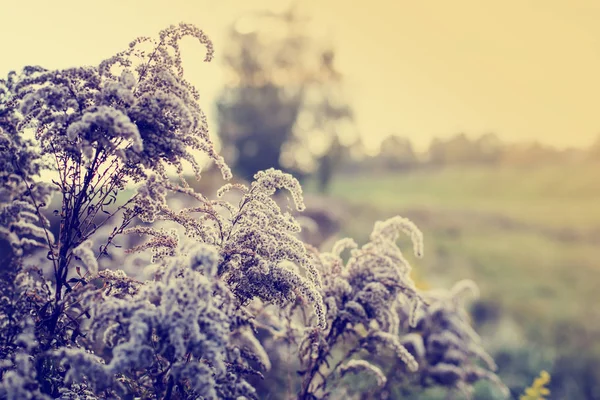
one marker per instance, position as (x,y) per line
(374,312)
(134,110)
(20,196)
(449,351)
(260,254)
(367,288)
(226,274)
(23,294)
(364,367)
(361,297)
(173,335)
(18,371)
(20,226)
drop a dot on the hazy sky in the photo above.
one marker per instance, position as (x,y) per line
(525,69)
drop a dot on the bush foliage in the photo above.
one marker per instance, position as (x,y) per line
(220,299)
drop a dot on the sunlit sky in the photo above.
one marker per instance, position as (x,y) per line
(524,69)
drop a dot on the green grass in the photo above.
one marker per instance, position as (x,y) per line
(530,238)
(552,196)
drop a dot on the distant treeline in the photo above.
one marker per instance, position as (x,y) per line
(398,153)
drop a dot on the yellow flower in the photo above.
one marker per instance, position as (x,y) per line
(537,390)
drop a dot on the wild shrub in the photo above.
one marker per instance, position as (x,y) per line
(218,294)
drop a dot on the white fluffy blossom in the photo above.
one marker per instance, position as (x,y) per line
(88,258)
(180,324)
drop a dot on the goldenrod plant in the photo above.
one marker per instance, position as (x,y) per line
(209,296)
(538,389)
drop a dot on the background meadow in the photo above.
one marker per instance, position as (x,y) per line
(527,235)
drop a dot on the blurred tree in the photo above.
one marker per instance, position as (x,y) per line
(282,105)
(529,154)
(594,151)
(353,158)
(489,148)
(396,153)
(459,149)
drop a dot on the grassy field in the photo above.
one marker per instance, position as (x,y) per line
(552,197)
(529,237)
